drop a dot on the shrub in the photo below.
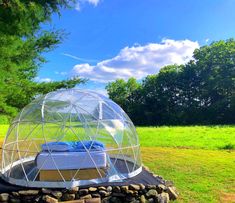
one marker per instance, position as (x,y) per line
(4,119)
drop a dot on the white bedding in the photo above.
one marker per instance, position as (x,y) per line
(71,160)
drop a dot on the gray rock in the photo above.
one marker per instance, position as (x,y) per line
(103,193)
(83,192)
(151,200)
(49,199)
(116,189)
(95,195)
(73,190)
(151,193)
(92,189)
(15,200)
(160,188)
(130,198)
(132,192)
(15,194)
(109,189)
(169,183)
(143,192)
(115,200)
(86,197)
(172,193)
(105,200)
(142,187)
(134,187)
(102,188)
(143,199)
(68,197)
(57,194)
(118,194)
(28,192)
(46,191)
(125,188)
(28,199)
(163,198)
(37,199)
(4,197)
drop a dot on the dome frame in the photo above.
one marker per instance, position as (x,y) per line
(70,117)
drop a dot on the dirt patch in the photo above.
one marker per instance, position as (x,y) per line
(227,197)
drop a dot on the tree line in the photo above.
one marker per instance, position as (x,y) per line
(199,92)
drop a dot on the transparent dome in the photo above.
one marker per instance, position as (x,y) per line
(68,138)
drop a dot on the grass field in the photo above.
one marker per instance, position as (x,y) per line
(200,160)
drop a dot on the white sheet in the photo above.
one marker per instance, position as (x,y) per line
(71,160)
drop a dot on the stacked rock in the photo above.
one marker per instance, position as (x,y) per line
(134,193)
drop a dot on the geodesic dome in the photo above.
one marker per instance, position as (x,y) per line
(69,138)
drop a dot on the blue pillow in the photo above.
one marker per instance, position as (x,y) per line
(73,146)
(90,145)
(58,146)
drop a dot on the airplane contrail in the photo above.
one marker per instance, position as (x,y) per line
(79,59)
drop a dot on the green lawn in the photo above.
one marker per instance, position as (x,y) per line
(3,131)
(199,137)
(194,158)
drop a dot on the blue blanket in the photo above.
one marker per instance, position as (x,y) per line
(73,146)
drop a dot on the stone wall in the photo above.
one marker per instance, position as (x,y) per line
(138,193)
(133,193)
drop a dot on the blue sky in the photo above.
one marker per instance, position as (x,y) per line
(110,39)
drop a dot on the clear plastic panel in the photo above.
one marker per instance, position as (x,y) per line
(70,116)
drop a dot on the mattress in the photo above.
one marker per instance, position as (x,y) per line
(71,160)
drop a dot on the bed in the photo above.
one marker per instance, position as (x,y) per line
(72,159)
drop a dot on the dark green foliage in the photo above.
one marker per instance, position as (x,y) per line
(22,43)
(200,92)
(228,147)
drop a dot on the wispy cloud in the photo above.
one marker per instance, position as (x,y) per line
(61,73)
(79,59)
(138,61)
(79,3)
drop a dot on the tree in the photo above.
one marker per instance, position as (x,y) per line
(124,93)
(162,96)
(120,90)
(22,42)
(213,69)
(199,92)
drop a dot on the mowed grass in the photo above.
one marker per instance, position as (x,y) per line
(200,176)
(200,160)
(194,158)
(3,131)
(199,137)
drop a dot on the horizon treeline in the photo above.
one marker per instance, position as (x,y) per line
(200,92)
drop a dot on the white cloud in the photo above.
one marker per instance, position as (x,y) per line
(138,61)
(38,79)
(77,6)
(207,40)
(93,2)
(79,3)
(63,73)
